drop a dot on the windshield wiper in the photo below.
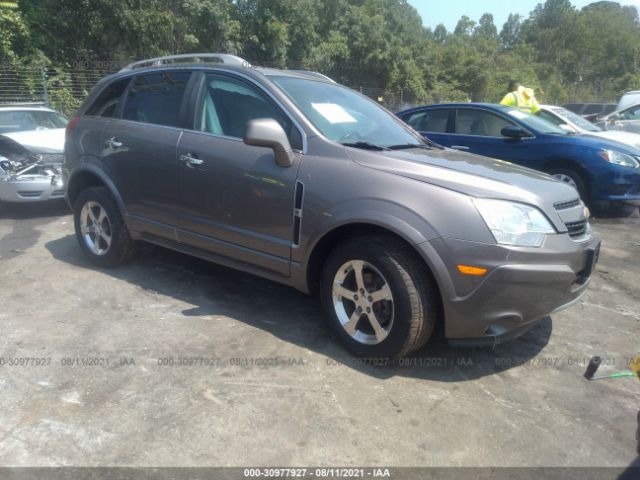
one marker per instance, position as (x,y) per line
(406,146)
(365,146)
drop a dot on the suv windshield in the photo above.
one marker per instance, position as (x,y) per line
(536,123)
(582,123)
(24,120)
(345,116)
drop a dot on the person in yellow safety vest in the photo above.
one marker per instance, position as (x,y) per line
(521,97)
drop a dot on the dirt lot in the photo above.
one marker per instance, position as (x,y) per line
(90,369)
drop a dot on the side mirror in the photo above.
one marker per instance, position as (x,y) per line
(566,127)
(511,131)
(266,132)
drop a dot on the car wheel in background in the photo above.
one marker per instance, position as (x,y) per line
(101,232)
(378,297)
(573,178)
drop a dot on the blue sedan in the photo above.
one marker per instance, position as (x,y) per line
(603,171)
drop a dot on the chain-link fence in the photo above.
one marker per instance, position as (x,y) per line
(65,88)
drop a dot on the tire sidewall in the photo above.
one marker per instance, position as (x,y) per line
(376,256)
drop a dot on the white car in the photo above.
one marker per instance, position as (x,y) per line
(31,153)
(568,120)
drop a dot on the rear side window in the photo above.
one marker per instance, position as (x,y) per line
(106,105)
(429,121)
(592,109)
(156,98)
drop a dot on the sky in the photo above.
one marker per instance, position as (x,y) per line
(449,12)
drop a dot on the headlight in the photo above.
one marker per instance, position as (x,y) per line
(619,158)
(514,223)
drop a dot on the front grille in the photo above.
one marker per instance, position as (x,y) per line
(577,229)
(567,205)
(30,194)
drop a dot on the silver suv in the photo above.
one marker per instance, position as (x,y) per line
(290,176)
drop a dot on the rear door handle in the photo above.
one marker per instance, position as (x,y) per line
(460,147)
(191,160)
(113,143)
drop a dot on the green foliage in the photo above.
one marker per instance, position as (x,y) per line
(562,52)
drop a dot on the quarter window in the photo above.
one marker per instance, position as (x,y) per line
(106,105)
(480,123)
(228,105)
(156,98)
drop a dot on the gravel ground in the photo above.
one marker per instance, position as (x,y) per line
(171,361)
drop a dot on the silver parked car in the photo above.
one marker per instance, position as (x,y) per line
(573,122)
(295,178)
(626,120)
(31,146)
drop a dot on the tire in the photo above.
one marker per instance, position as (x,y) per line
(572,178)
(114,245)
(406,311)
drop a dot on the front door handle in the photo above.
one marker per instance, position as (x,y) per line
(460,147)
(191,160)
(113,143)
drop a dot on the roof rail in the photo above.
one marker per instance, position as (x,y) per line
(311,73)
(224,58)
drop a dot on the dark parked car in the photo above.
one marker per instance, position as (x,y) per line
(602,170)
(293,177)
(591,111)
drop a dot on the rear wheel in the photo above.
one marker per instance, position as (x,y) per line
(378,297)
(100,230)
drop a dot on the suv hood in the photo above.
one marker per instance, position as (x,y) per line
(469,174)
(40,141)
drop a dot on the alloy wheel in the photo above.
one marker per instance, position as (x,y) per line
(96,228)
(565,179)
(363,302)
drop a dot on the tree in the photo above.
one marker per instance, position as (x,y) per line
(510,33)
(486,28)
(464,27)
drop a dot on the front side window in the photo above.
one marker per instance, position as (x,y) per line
(429,120)
(106,105)
(229,104)
(631,114)
(156,98)
(344,116)
(535,122)
(480,123)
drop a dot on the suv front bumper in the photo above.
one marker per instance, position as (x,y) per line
(522,286)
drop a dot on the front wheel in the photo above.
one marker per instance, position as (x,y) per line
(572,178)
(378,297)
(100,230)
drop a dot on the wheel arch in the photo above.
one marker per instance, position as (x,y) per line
(327,242)
(90,176)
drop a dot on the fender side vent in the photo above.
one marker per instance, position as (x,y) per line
(297,212)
